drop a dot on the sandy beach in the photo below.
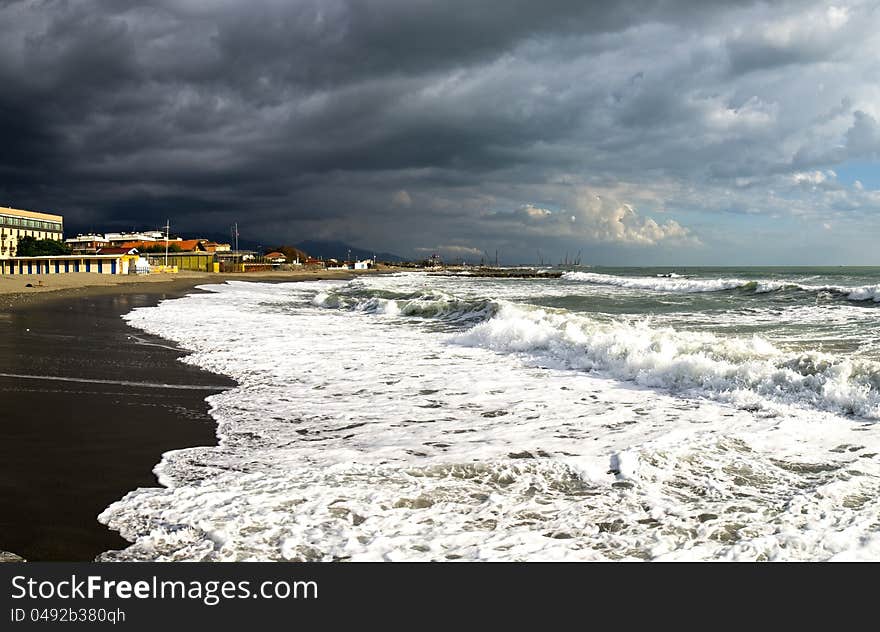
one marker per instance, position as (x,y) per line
(14,290)
(90,404)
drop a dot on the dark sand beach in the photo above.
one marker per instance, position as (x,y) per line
(71,446)
(68,449)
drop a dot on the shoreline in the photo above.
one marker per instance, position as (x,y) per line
(87,407)
(14,293)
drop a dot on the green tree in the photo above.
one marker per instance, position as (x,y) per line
(33,247)
(291,253)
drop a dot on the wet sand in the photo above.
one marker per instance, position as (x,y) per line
(71,446)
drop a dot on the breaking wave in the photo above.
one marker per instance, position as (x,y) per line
(681,285)
(355,435)
(749,372)
(424,304)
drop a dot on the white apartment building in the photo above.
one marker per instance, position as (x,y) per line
(16,223)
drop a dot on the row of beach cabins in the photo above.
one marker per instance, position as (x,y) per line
(133,253)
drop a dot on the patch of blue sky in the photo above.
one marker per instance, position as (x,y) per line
(866,172)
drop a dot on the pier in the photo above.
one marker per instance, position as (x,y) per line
(501,273)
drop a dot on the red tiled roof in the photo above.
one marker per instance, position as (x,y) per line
(186,245)
(116,250)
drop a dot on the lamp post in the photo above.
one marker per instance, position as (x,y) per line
(237,254)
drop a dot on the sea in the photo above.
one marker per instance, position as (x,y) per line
(610,414)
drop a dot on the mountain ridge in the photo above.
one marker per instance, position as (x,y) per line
(339,250)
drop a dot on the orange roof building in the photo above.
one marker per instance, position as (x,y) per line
(185,245)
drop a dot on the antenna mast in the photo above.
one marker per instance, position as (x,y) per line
(235,238)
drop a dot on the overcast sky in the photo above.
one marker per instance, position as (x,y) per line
(639,132)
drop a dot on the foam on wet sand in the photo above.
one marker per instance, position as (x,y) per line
(363,433)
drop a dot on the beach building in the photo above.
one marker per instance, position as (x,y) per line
(135,262)
(65,264)
(92,242)
(118,239)
(366,264)
(213,246)
(185,254)
(17,223)
(174,245)
(239,261)
(199,261)
(86,244)
(117,250)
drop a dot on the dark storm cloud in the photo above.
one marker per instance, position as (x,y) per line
(407,121)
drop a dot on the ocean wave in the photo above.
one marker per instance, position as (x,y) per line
(362,438)
(662,284)
(863,293)
(749,372)
(683,285)
(423,304)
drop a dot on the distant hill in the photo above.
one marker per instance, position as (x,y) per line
(243,243)
(339,250)
(290,252)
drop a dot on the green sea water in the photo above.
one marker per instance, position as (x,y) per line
(830,309)
(720,413)
(799,334)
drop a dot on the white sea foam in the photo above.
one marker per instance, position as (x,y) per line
(424,304)
(861,293)
(356,434)
(699,363)
(661,284)
(691,285)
